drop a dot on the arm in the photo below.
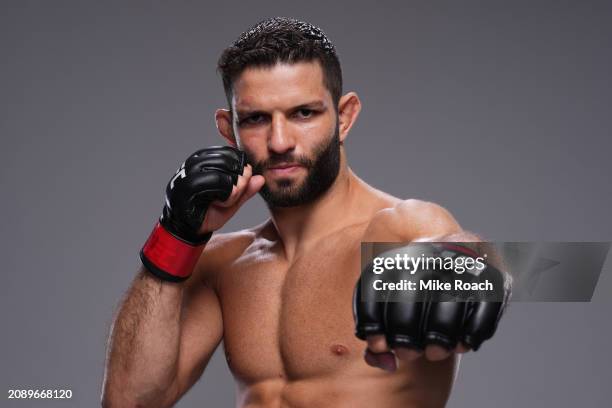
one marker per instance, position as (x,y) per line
(418,221)
(160,342)
(422,221)
(440,327)
(170,323)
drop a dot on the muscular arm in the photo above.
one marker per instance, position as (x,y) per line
(162,338)
(169,324)
(418,221)
(422,221)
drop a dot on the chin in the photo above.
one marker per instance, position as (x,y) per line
(278,184)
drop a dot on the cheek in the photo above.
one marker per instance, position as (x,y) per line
(311,135)
(315,134)
(250,139)
(321,124)
(255,148)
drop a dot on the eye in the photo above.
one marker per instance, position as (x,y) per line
(304,113)
(252,120)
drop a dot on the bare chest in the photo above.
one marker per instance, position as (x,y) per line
(292,321)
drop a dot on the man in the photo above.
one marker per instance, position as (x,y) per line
(280,294)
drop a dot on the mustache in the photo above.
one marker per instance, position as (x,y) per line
(285,158)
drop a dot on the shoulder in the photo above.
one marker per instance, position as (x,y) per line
(225,246)
(411,219)
(222,250)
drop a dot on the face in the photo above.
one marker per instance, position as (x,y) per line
(285,121)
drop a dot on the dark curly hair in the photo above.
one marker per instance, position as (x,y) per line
(281,39)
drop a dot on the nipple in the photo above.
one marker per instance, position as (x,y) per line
(339,350)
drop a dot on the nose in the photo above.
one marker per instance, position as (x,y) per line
(280,140)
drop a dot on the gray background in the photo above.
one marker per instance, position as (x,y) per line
(500,111)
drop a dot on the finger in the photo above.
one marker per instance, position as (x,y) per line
(444,322)
(239,189)
(377,343)
(403,322)
(230,200)
(407,354)
(433,352)
(482,323)
(221,158)
(247,172)
(202,182)
(386,360)
(243,181)
(255,184)
(368,313)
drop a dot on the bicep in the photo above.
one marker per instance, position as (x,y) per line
(201,333)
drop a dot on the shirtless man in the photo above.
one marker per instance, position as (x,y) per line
(279,295)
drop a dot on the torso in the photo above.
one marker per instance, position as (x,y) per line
(289,331)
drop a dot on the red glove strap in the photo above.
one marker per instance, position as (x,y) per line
(170,254)
(461,249)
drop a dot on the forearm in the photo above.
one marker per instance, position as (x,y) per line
(144,345)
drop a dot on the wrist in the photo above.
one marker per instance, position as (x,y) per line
(185,228)
(169,257)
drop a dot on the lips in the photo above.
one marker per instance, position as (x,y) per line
(284,168)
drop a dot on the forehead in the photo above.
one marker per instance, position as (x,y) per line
(279,85)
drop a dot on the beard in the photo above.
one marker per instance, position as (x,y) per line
(322,169)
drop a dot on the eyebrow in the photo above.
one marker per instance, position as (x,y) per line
(311,105)
(314,105)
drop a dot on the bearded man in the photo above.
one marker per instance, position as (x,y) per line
(279,295)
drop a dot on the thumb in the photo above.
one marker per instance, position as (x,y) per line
(385,360)
(255,184)
(220,215)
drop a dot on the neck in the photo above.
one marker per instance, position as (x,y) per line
(298,226)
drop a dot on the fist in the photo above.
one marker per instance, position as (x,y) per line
(407,329)
(206,191)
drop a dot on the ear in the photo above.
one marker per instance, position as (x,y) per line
(223,119)
(349,107)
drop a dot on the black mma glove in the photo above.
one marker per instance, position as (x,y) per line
(416,324)
(175,244)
